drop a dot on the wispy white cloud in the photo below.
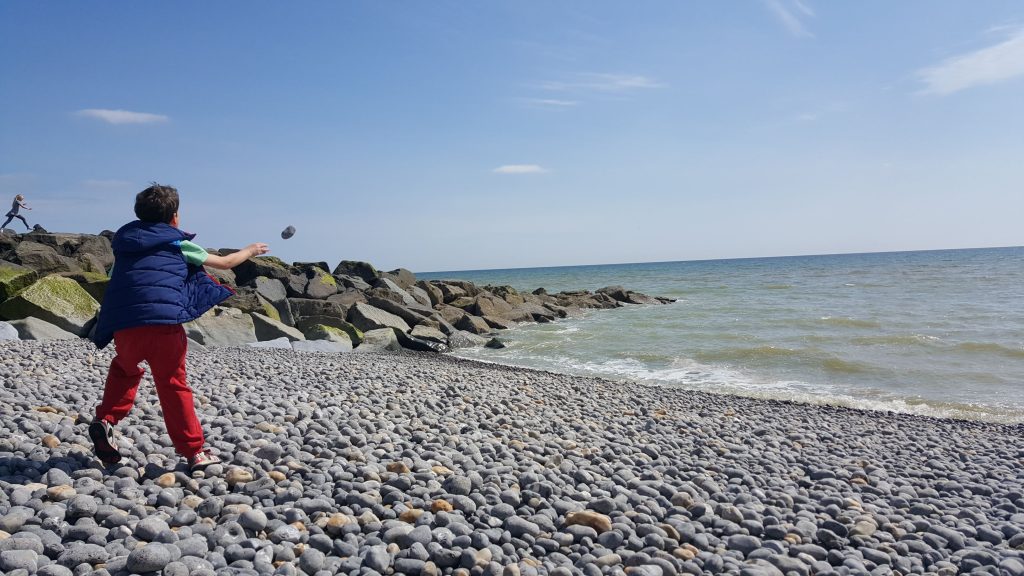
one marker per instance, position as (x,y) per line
(790,14)
(549,102)
(123,116)
(990,65)
(595,82)
(519,169)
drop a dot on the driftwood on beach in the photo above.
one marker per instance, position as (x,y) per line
(51,286)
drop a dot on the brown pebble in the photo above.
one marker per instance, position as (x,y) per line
(51,441)
(398,468)
(166,480)
(410,516)
(440,506)
(597,521)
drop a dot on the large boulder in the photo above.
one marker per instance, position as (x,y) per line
(270,329)
(268,266)
(14,278)
(363,270)
(57,300)
(8,332)
(225,277)
(65,244)
(306,307)
(412,314)
(222,327)
(44,259)
(474,324)
(450,314)
(93,282)
(319,284)
(273,291)
(270,288)
(538,312)
(36,329)
(96,247)
(306,266)
(347,298)
(401,276)
(367,318)
(450,292)
(429,333)
(618,293)
(433,292)
(392,287)
(420,295)
(296,284)
(383,339)
(343,330)
(412,343)
(353,282)
(507,293)
(463,339)
(248,300)
(487,304)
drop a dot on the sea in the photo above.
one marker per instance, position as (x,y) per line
(937,333)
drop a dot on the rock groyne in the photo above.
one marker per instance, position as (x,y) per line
(51,286)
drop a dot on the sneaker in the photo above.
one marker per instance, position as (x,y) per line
(202,459)
(102,434)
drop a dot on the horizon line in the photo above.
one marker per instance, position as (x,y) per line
(811,255)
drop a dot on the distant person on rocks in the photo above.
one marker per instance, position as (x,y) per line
(157,284)
(13,212)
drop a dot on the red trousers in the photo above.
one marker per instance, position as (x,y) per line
(163,348)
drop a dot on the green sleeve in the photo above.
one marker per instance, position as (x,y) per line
(194,253)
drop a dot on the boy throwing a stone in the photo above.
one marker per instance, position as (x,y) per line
(157,284)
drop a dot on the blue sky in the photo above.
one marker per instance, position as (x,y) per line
(460,135)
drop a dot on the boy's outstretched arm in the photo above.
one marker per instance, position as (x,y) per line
(236,258)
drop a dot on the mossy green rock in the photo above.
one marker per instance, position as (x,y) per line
(57,300)
(93,282)
(335,328)
(329,333)
(14,278)
(320,284)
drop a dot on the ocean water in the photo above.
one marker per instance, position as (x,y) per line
(939,333)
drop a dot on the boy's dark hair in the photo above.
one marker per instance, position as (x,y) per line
(157,204)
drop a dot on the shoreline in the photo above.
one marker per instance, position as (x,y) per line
(985,415)
(418,463)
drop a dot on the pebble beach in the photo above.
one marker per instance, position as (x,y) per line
(412,463)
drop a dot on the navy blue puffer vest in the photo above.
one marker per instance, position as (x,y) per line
(152,283)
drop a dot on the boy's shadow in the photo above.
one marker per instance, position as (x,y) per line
(18,470)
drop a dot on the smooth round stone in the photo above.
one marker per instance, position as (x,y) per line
(377,558)
(255,520)
(82,505)
(458,485)
(54,570)
(149,558)
(176,569)
(286,533)
(311,560)
(80,553)
(11,560)
(520,526)
(149,528)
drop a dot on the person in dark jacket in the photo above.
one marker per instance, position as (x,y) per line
(157,283)
(13,212)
